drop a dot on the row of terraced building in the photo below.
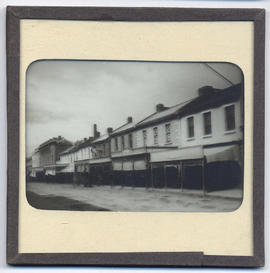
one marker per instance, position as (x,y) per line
(195,144)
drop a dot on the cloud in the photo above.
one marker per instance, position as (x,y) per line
(67,97)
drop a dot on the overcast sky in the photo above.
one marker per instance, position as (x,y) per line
(67,97)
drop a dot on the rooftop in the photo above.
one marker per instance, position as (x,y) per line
(211,99)
(101,138)
(57,140)
(158,115)
(124,127)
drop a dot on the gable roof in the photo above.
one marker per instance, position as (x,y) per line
(168,113)
(78,145)
(125,127)
(211,100)
(57,140)
(101,138)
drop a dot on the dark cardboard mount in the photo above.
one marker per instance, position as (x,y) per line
(195,259)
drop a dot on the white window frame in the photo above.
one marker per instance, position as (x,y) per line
(203,128)
(227,132)
(155,137)
(168,140)
(116,146)
(188,137)
(144,138)
(130,141)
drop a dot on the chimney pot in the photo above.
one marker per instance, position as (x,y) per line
(160,107)
(206,90)
(109,130)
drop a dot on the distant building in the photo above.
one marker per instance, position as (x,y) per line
(83,155)
(100,165)
(48,153)
(28,163)
(37,170)
(66,165)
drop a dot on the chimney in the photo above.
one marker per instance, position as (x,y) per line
(129,119)
(95,131)
(160,107)
(98,135)
(85,139)
(59,137)
(109,130)
(206,90)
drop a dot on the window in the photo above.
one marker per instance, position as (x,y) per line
(207,123)
(123,142)
(230,117)
(190,124)
(104,149)
(155,129)
(130,142)
(116,144)
(144,138)
(168,132)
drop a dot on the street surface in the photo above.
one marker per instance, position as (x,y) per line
(126,199)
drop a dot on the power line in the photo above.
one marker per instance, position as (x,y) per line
(219,74)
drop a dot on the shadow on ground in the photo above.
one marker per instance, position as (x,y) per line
(49,202)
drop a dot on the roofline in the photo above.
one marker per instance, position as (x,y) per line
(124,131)
(100,141)
(52,140)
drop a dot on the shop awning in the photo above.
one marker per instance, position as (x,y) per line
(50,172)
(129,165)
(68,169)
(100,160)
(117,165)
(140,165)
(227,153)
(177,154)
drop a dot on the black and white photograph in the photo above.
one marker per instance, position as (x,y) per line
(134,136)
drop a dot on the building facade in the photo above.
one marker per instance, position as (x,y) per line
(100,164)
(196,144)
(45,157)
(184,146)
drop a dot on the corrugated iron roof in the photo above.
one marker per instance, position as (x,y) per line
(101,138)
(215,99)
(124,127)
(162,114)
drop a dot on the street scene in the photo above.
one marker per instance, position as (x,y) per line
(106,198)
(180,147)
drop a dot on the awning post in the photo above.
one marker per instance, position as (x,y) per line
(182,176)
(151,174)
(203,177)
(132,174)
(165,176)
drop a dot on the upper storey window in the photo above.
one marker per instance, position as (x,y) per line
(123,142)
(130,141)
(230,117)
(155,129)
(144,132)
(190,127)
(116,144)
(168,133)
(207,123)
